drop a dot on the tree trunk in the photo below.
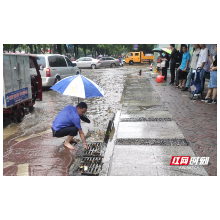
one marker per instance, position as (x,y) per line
(77,51)
(65,47)
(54,49)
(44,48)
(31,47)
(35,49)
(59,49)
(84,50)
(74,50)
(15,46)
(50,48)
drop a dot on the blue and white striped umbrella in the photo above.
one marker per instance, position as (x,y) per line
(78,86)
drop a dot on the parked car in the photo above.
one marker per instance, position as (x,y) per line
(54,67)
(109,62)
(87,62)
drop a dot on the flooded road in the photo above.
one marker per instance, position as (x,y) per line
(36,125)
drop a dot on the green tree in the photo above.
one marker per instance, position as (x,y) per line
(8,47)
(59,49)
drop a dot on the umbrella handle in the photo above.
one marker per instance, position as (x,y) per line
(78,100)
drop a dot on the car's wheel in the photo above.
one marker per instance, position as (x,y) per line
(93,66)
(113,65)
(57,79)
(31,108)
(20,113)
(131,62)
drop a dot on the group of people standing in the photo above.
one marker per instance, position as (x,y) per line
(188,66)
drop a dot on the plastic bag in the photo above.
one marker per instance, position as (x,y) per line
(163,63)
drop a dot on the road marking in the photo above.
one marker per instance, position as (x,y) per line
(23,169)
(7,164)
(34,135)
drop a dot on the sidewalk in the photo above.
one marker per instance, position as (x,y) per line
(150,129)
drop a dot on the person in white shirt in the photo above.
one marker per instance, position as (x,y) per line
(213,81)
(203,63)
(193,65)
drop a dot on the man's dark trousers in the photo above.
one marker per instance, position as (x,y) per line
(172,71)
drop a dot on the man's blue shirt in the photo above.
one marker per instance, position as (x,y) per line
(186,56)
(67,117)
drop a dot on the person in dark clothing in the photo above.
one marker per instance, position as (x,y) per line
(164,69)
(172,63)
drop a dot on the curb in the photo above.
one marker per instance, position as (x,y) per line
(107,160)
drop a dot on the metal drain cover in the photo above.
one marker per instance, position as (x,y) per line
(144,119)
(133,97)
(90,166)
(153,141)
(90,163)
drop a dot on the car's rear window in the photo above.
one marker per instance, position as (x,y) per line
(56,61)
(41,61)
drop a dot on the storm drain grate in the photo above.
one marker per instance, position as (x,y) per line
(91,163)
(153,141)
(133,97)
(90,166)
(144,119)
(139,84)
(94,150)
(147,108)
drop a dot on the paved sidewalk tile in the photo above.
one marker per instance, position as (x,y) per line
(197,121)
(149,129)
(132,160)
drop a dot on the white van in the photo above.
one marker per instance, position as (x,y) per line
(54,67)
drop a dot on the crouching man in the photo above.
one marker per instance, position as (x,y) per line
(67,123)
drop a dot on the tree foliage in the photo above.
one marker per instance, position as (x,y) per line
(78,50)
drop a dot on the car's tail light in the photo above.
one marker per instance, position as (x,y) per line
(48,72)
(118,60)
(99,61)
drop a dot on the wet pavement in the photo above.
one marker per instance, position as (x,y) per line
(30,149)
(145,148)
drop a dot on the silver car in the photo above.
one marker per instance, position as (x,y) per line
(109,62)
(87,62)
(54,67)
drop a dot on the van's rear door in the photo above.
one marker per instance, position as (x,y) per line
(58,66)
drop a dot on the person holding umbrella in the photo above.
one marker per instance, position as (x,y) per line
(166,59)
(67,123)
(159,59)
